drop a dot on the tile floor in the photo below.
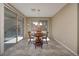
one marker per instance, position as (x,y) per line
(24,49)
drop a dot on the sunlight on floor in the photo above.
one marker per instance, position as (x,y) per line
(14,40)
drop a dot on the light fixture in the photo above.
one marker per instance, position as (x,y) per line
(33,9)
(38,10)
(35,23)
(40,23)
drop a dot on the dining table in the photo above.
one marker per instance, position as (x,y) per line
(38,41)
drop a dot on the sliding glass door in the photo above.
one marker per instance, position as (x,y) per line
(13,28)
(10,26)
(20,28)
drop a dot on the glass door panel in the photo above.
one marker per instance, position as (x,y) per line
(10,33)
(44,25)
(20,28)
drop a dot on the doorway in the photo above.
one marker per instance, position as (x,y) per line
(13,28)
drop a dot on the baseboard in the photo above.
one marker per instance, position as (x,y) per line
(66,47)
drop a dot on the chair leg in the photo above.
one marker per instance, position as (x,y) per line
(29,41)
(46,41)
(35,46)
(41,44)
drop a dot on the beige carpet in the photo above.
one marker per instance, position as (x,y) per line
(22,48)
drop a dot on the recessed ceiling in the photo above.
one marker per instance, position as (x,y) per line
(39,9)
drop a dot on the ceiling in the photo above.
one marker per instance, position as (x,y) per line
(39,9)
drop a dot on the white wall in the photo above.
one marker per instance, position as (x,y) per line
(78,29)
(64,27)
(1,28)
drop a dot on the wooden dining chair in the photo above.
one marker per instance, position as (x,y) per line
(31,37)
(45,36)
